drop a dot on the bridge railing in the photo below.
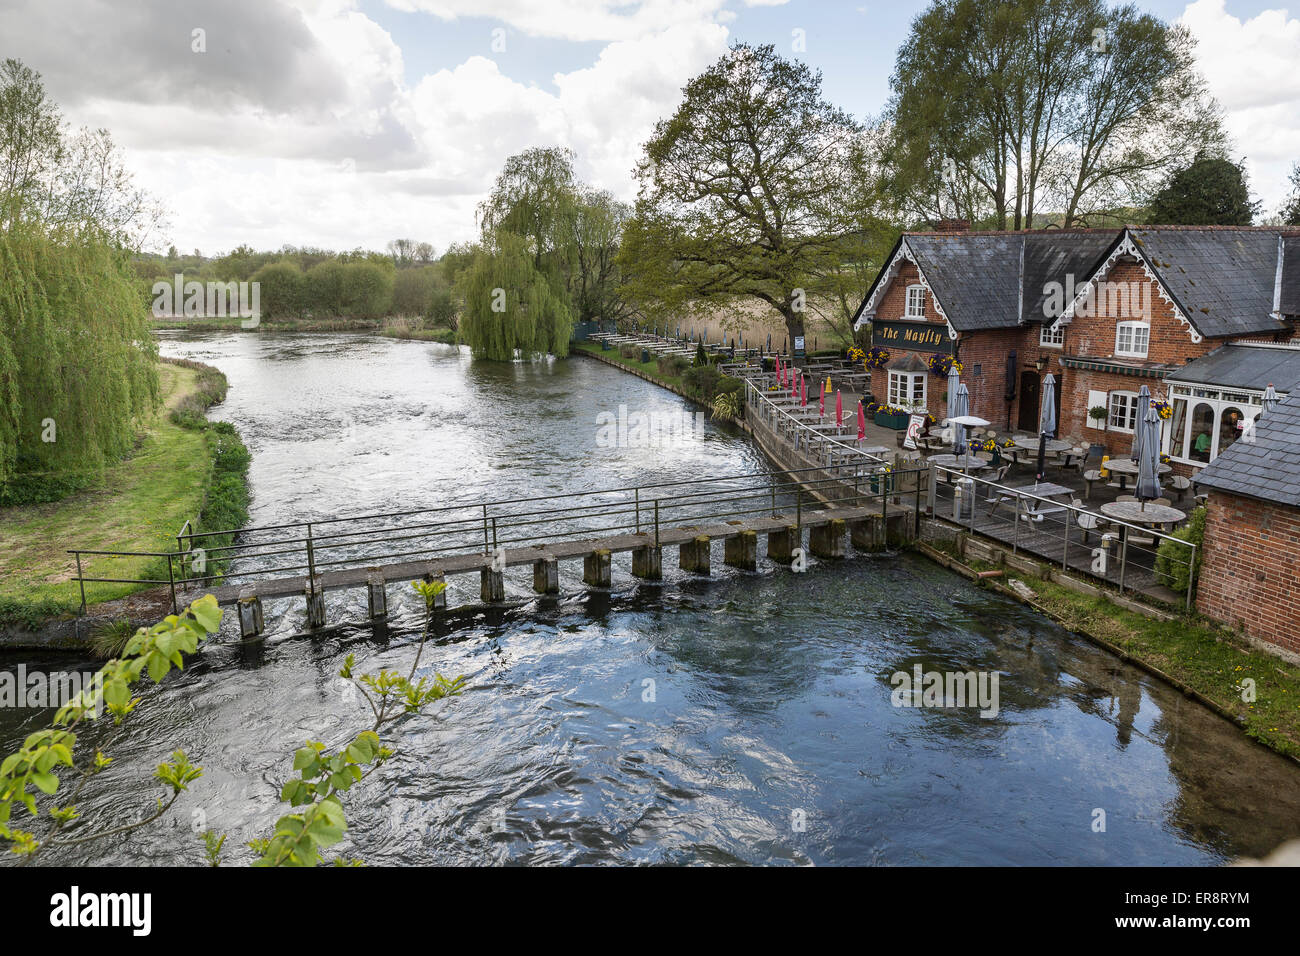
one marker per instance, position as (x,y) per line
(311,548)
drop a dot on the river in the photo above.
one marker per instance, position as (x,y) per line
(745,718)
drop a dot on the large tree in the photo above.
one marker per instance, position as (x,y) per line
(1005,113)
(747,191)
(1211,191)
(1290,211)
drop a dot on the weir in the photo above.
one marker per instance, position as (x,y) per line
(307,559)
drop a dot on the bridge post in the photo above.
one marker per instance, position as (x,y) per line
(251,621)
(781,544)
(695,555)
(315,595)
(741,551)
(492,585)
(827,540)
(597,570)
(439,599)
(648,563)
(376,595)
(868,534)
(546,575)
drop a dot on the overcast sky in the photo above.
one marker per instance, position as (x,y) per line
(344,123)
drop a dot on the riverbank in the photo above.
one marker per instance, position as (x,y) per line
(390,327)
(184,468)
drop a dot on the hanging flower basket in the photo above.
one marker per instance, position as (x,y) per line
(856,354)
(876,358)
(941,365)
(1163,409)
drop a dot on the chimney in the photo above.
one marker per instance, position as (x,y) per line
(954,227)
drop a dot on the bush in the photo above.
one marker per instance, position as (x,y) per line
(630,352)
(671,365)
(1171,559)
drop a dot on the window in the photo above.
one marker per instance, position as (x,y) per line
(1123,411)
(1206,421)
(907,389)
(1053,336)
(915,302)
(1132,338)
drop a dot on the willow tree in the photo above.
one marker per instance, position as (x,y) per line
(77,360)
(512,308)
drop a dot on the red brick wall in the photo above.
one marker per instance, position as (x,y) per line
(1250,576)
(893,306)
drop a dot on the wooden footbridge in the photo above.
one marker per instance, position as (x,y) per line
(309,558)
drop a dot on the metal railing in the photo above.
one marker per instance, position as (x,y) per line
(365,541)
(800,434)
(1106,548)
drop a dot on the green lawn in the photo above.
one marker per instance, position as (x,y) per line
(139,504)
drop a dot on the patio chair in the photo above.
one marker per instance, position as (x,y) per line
(1088,478)
(1086,520)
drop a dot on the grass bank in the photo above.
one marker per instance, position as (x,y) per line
(183,468)
(1199,655)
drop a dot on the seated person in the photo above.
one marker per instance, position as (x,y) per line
(1201,447)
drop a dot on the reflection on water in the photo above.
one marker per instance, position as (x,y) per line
(742,719)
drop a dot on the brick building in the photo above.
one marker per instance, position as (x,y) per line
(1250,576)
(1103,310)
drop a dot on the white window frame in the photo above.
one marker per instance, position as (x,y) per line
(1250,403)
(1133,328)
(907,306)
(1131,414)
(907,381)
(1052,336)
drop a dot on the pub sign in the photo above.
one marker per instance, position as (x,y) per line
(912,336)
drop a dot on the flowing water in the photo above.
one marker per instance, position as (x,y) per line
(746,718)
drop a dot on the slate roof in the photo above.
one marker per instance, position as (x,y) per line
(1223,279)
(1244,366)
(1053,257)
(1268,469)
(975,277)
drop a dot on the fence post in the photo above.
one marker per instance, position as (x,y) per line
(311,561)
(1015,532)
(916,527)
(798,508)
(656,522)
(1191,576)
(932,488)
(1065,554)
(638,510)
(171,581)
(1123,556)
(81,581)
(487,548)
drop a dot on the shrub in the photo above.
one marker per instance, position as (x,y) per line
(630,352)
(1171,559)
(671,365)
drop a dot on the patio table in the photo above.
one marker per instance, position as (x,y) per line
(1125,467)
(1141,512)
(966,463)
(1044,489)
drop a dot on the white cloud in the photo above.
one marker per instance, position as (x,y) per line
(1251,68)
(298,124)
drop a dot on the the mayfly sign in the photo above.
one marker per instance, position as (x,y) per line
(913,336)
